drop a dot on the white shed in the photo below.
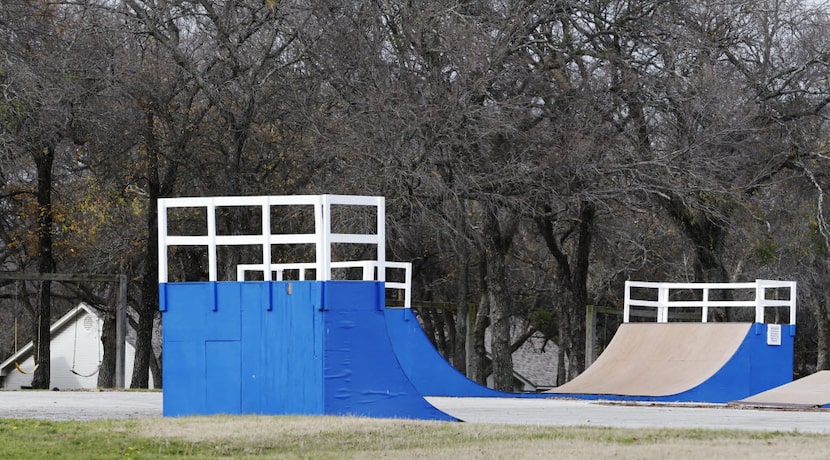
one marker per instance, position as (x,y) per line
(76,352)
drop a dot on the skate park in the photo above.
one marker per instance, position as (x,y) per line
(324,342)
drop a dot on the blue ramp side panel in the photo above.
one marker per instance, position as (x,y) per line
(292,350)
(183,376)
(247,347)
(201,337)
(362,373)
(278,348)
(222,377)
(184,325)
(755,367)
(253,298)
(428,371)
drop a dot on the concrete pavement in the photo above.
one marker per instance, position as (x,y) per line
(89,405)
(568,412)
(79,405)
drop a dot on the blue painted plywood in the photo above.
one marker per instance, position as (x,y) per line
(278,348)
(255,299)
(222,376)
(183,347)
(184,378)
(291,350)
(428,371)
(362,374)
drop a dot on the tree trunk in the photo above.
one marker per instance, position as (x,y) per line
(42,337)
(46,264)
(573,284)
(440,333)
(459,355)
(480,369)
(823,333)
(500,314)
(499,227)
(822,354)
(576,337)
(148,306)
(465,313)
(155,371)
(561,370)
(448,317)
(707,236)
(106,373)
(425,314)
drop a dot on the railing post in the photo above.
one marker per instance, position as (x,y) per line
(705,308)
(266,243)
(161,215)
(322,223)
(760,300)
(369,271)
(792,302)
(627,302)
(662,301)
(407,293)
(380,234)
(211,231)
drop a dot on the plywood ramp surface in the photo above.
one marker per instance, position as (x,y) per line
(810,391)
(659,359)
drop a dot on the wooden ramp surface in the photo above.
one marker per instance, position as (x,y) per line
(659,359)
(810,391)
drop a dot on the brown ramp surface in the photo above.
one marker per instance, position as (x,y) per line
(810,391)
(659,359)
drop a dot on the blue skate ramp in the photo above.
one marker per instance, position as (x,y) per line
(687,362)
(669,362)
(428,371)
(280,348)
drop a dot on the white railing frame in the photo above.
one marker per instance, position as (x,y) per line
(369,273)
(663,303)
(322,237)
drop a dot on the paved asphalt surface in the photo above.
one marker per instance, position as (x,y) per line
(88,405)
(79,405)
(568,412)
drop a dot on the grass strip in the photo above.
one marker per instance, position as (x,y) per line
(253,437)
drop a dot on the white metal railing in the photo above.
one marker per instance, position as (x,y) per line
(664,300)
(322,238)
(369,273)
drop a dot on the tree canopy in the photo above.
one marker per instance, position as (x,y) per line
(534,154)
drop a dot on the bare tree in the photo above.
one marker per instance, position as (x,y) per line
(48,80)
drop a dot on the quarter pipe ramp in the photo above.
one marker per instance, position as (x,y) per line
(692,362)
(428,371)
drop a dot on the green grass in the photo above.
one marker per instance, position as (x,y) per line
(344,437)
